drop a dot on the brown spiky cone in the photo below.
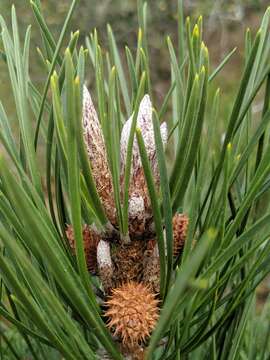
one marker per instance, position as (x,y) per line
(132,311)
(91,240)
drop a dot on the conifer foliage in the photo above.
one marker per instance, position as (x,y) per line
(136,236)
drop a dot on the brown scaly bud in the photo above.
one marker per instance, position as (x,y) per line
(96,150)
(151,267)
(105,265)
(180,225)
(90,241)
(138,184)
(128,262)
(144,122)
(132,313)
(136,212)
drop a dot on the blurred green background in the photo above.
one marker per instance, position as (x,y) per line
(224,23)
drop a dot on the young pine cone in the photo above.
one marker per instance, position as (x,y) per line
(132,310)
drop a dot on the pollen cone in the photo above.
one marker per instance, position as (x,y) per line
(90,241)
(132,313)
(180,225)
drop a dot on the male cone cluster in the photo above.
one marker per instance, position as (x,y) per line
(90,240)
(128,270)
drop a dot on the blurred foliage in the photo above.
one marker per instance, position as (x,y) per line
(223,20)
(220,18)
(14,346)
(122,15)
